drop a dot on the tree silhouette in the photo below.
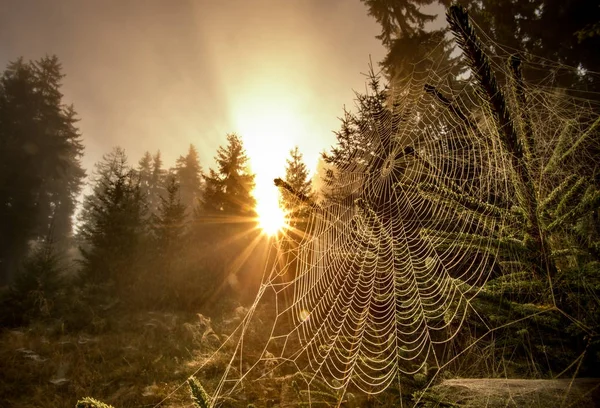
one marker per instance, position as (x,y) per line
(228,189)
(40,152)
(112,222)
(189,175)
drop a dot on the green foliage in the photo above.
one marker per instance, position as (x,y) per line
(551,225)
(200,397)
(541,233)
(35,290)
(88,402)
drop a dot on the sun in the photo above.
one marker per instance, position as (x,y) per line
(271,218)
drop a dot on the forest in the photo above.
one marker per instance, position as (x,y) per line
(445,251)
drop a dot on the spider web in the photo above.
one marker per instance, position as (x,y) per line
(381,270)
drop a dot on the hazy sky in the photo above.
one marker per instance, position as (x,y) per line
(150,74)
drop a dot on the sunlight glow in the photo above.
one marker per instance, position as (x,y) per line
(269,121)
(271,217)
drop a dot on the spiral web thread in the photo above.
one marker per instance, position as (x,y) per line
(383,271)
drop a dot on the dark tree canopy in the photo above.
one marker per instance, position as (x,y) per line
(399,18)
(554,30)
(40,152)
(411,49)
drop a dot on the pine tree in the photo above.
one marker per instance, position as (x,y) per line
(36,288)
(162,280)
(399,17)
(112,222)
(40,152)
(296,172)
(412,51)
(294,202)
(228,189)
(189,176)
(157,183)
(549,261)
(144,173)
(169,223)
(355,141)
(152,178)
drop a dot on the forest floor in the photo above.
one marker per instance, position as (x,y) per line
(133,360)
(143,359)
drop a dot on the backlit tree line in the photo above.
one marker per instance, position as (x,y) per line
(145,233)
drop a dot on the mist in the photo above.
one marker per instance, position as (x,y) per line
(148,75)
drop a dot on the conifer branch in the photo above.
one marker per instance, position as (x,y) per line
(589,202)
(582,139)
(467,40)
(573,194)
(451,106)
(526,138)
(557,192)
(502,247)
(458,201)
(286,186)
(559,148)
(88,402)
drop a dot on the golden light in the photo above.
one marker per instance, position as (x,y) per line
(271,218)
(270,123)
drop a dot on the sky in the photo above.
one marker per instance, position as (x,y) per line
(148,74)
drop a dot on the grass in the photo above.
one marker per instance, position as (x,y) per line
(133,360)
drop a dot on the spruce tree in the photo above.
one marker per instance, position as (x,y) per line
(36,289)
(169,222)
(229,188)
(400,17)
(144,174)
(112,222)
(40,152)
(412,50)
(293,199)
(296,173)
(189,176)
(157,183)
(163,278)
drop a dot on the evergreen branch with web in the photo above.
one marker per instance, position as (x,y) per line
(435,207)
